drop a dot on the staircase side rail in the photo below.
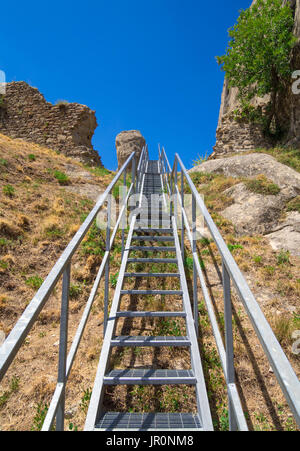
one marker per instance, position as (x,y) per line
(62,267)
(287,379)
(56,399)
(238,422)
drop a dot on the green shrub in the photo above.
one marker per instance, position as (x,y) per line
(61,177)
(39,418)
(114,280)
(283,257)
(31,157)
(34,282)
(262,185)
(94,243)
(189,263)
(75,291)
(8,190)
(294,205)
(233,247)
(200,159)
(257,259)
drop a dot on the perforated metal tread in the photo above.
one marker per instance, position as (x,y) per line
(149,377)
(148,230)
(140,314)
(152,292)
(114,421)
(150,341)
(149,235)
(153,238)
(152,260)
(153,274)
(153,248)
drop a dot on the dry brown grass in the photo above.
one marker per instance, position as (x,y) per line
(37,223)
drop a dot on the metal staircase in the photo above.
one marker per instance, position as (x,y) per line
(154,224)
(158,206)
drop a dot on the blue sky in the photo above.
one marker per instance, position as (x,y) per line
(144,65)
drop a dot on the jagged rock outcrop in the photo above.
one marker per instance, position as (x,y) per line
(128,142)
(238,136)
(65,127)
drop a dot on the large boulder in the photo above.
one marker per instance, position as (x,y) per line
(253,213)
(128,142)
(252,165)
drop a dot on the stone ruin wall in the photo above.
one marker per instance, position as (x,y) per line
(65,127)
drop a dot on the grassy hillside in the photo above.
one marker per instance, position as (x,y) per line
(274,279)
(44,197)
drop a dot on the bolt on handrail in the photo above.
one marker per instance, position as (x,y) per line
(62,268)
(281,366)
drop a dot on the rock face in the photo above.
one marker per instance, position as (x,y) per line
(253,213)
(233,136)
(287,235)
(65,127)
(252,165)
(128,142)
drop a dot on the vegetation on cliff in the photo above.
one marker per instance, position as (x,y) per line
(258,59)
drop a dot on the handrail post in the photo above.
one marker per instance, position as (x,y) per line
(229,343)
(175,193)
(182,217)
(123,222)
(107,266)
(63,345)
(195,278)
(133,172)
(133,181)
(171,194)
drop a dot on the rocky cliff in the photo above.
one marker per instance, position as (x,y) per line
(65,127)
(238,136)
(127,142)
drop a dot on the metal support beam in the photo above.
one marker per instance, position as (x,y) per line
(230,373)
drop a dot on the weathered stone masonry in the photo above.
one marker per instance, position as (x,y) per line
(66,127)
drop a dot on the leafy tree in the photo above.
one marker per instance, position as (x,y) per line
(257,60)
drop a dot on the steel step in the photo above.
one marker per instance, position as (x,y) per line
(140,341)
(141,230)
(152,260)
(155,215)
(128,314)
(149,377)
(153,238)
(151,223)
(153,292)
(117,421)
(149,274)
(153,248)
(153,229)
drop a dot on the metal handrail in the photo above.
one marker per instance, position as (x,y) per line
(283,371)
(281,366)
(62,267)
